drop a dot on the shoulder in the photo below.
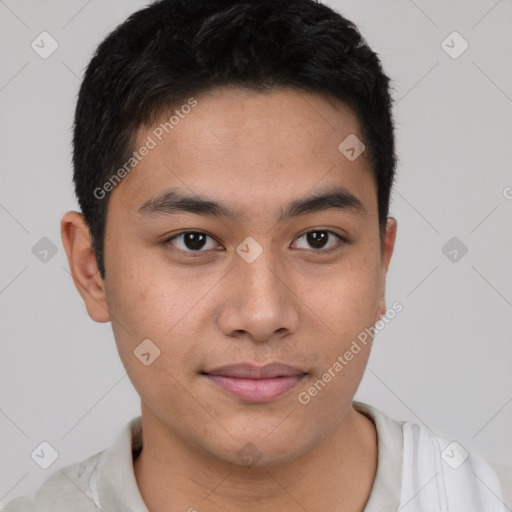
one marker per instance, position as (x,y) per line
(504,474)
(435,470)
(459,476)
(70,488)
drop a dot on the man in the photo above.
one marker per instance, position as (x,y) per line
(233,163)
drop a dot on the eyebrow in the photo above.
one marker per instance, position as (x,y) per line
(173,201)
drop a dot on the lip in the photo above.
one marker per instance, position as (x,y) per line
(253,371)
(254,383)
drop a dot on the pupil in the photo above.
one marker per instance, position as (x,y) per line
(315,240)
(192,243)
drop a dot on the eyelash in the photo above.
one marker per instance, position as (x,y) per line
(193,254)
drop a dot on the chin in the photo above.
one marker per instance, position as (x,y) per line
(254,447)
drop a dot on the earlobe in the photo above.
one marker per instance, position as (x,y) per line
(77,242)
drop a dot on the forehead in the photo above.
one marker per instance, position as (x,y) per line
(250,149)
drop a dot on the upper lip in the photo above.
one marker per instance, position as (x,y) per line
(252,371)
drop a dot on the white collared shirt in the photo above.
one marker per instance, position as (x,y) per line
(106,480)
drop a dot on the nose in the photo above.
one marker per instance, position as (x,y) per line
(261,300)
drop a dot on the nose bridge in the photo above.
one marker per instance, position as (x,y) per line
(259,267)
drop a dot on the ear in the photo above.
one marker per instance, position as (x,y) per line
(77,242)
(387,246)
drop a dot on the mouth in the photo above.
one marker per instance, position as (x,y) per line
(253,383)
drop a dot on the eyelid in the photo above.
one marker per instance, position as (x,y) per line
(327,230)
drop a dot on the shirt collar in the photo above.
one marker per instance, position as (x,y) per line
(116,483)
(385,493)
(118,491)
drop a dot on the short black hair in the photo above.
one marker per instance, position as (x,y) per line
(173,49)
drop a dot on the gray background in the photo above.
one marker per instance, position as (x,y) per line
(444,361)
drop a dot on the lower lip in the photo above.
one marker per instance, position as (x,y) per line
(256,390)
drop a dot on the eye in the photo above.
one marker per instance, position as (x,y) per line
(191,241)
(318,239)
(194,241)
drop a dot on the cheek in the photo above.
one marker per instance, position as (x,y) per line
(348,297)
(150,309)
(347,314)
(143,291)
(347,309)
(148,301)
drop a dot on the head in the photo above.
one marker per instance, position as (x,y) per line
(233,163)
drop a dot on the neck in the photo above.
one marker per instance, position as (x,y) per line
(336,474)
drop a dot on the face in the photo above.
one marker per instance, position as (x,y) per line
(269,276)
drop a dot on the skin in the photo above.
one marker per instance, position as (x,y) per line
(254,152)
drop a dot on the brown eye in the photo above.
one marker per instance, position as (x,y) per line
(320,240)
(317,239)
(191,241)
